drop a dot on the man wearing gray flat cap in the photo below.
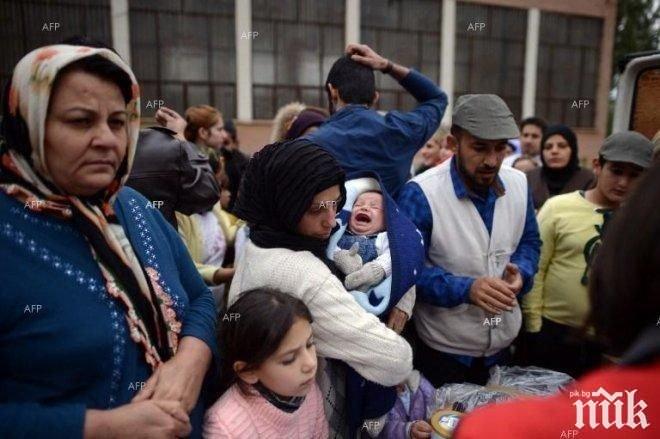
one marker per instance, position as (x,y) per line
(482,244)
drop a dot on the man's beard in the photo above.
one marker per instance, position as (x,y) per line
(470,180)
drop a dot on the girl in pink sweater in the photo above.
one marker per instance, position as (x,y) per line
(269,368)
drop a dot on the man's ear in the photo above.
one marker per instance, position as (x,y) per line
(376,97)
(452,142)
(249,376)
(334,93)
(597,168)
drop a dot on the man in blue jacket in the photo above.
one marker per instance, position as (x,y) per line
(362,139)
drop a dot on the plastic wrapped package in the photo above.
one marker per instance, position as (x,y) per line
(529,380)
(466,397)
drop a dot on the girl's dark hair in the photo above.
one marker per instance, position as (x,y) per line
(102,67)
(625,280)
(252,330)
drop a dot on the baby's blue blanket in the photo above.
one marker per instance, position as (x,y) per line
(405,241)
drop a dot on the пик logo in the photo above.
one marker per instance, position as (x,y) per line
(611,406)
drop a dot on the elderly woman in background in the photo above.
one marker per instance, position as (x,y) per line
(435,151)
(106,329)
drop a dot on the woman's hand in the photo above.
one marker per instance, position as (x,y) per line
(171,119)
(223,275)
(141,420)
(397,320)
(420,430)
(180,378)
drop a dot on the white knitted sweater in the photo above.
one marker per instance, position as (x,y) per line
(342,329)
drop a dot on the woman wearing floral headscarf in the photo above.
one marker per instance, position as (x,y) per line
(106,329)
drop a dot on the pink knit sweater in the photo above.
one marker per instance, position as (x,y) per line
(236,416)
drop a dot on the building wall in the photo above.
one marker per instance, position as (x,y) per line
(184,51)
(574,62)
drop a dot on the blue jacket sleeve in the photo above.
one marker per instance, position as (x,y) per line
(526,256)
(435,285)
(421,122)
(31,420)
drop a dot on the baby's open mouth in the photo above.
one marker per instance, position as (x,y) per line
(363,218)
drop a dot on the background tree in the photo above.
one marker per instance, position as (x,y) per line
(637,29)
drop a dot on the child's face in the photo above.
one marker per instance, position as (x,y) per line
(367,216)
(291,370)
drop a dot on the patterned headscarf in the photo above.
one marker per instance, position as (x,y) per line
(24,175)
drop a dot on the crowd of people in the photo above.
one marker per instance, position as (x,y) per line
(159,283)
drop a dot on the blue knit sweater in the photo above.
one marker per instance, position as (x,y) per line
(64,344)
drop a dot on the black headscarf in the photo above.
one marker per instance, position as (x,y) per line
(278,186)
(556,179)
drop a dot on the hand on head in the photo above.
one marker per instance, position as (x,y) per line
(366,55)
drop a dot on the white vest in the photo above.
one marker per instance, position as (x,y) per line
(460,244)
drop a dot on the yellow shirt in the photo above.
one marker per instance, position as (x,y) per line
(570,228)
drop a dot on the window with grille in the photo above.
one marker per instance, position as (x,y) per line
(22,26)
(183,52)
(568,68)
(298,42)
(490,58)
(408,32)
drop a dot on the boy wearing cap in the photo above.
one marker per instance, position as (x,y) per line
(571,227)
(482,243)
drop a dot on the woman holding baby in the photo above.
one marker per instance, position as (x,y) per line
(290,195)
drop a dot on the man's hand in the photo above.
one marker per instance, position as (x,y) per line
(513,278)
(180,378)
(171,119)
(366,55)
(420,430)
(492,295)
(397,320)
